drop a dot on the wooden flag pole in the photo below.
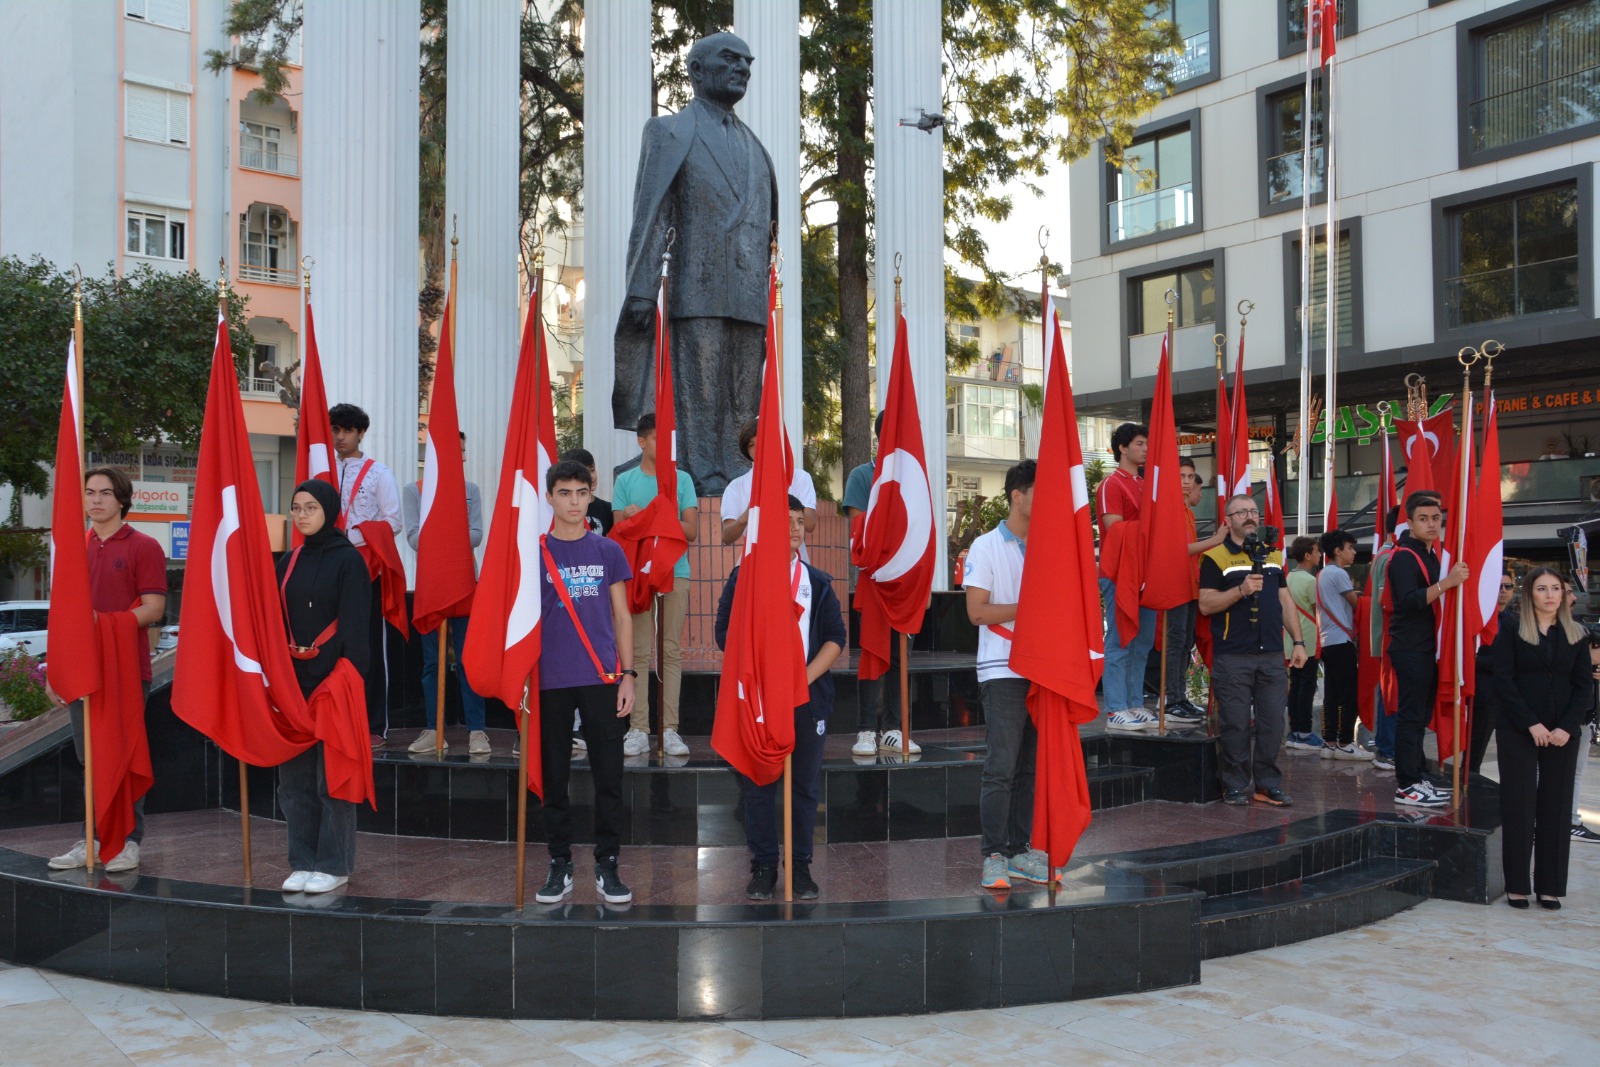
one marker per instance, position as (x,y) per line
(244,820)
(658,624)
(1467,357)
(438,707)
(1161,699)
(788,828)
(905,699)
(91,853)
(522,797)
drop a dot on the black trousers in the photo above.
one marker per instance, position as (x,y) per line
(879,699)
(377,676)
(1536,810)
(1485,713)
(602,732)
(1251,690)
(321,829)
(1302,698)
(1339,689)
(1416,675)
(761,827)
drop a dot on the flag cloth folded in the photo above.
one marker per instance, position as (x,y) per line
(1485,540)
(1423,446)
(446,567)
(501,653)
(313,439)
(1239,436)
(336,715)
(1455,643)
(1224,447)
(71,622)
(652,539)
(892,541)
(383,564)
(122,772)
(763,659)
(1386,497)
(1163,515)
(234,673)
(1059,645)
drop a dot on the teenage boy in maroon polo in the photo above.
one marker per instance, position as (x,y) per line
(127,569)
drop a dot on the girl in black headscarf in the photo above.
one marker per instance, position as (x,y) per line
(326,599)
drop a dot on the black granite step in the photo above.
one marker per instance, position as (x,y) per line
(1119,786)
(1321,904)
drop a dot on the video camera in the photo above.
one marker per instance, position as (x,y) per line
(1258,545)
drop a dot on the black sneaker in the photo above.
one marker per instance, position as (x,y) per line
(1236,797)
(763,878)
(558,885)
(1581,832)
(1183,711)
(611,889)
(1274,796)
(805,887)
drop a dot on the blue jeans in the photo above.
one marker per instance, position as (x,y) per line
(1383,729)
(471,703)
(1123,680)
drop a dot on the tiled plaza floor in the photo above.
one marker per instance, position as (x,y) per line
(1443,983)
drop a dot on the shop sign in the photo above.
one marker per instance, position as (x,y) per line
(161,498)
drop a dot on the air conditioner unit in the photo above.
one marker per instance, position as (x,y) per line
(275,222)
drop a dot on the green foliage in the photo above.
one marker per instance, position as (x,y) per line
(22,685)
(22,550)
(569,423)
(973,517)
(1094,472)
(822,352)
(148,338)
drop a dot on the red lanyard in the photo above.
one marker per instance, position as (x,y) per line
(312,650)
(572,613)
(344,511)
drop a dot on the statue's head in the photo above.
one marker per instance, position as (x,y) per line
(719,68)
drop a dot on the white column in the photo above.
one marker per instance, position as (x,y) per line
(771,108)
(909,213)
(482,173)
(616,105)
(359,156)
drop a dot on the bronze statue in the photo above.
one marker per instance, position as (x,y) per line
(705,176)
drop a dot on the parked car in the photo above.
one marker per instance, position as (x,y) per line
(25,624)
(168,639)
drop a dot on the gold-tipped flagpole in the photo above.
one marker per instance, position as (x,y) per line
(1458,529)
(788,759)
(444,624)
(244,768)
(1161,621)
(659,614)
(1220,342)
(905,651)
(91,853)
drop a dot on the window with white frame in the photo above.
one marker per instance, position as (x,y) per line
(173,14)
(260,146)
(156,232)
(158,115)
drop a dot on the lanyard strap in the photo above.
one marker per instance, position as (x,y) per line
(344,511)
(572,612)
(1330,616)
(314,648)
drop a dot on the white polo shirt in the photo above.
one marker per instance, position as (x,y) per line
(994,562)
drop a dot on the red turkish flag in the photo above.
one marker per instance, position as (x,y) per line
(501,654)
(1425,445)
(892,541)
(1164,516)
(1325,26)
(446,568)
(1272,514)
(313,439)
(234,674)
(72,624)
(1330,521)
(653,539)
(1485,539)
(1059,644)
(1239,439)
(763,661)
(1386,498)
(1456,645)
(1224,447)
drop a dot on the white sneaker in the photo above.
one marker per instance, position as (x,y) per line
(1127,719)
(75,857)
(635,743)
(296,882)
(1351,752)
(1145,714)
(891,743)
(866,743)
(673,744)
(478,743)
(126,860)
(318,882)
(425,742)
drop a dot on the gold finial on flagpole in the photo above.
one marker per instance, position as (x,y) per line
(77,293)
(1171,297)
(306,263)
(1385,415)
(222,278)
(1490,351)
(1220,340)
(899,257)
(538,250)
(777,267)
(1416,397)
(454,240)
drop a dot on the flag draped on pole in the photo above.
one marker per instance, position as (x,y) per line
(1163,516)
(234,680)
(1423,446)
(72,624)
(1386,497)
(1239,436)
(1059,644)
(763,661)
(653,539)
(1485,537)
(313,438)
(892,541)
(446,568)
(501,654)
(1455,643)
(1224,446)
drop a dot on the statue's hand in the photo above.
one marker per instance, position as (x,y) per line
(640,314)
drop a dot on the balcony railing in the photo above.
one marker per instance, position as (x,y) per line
(1284,177)
(1513,291)
(269,160)
(263,387)
(269,275)
(1535,110)
(1195,60)
(1162,209)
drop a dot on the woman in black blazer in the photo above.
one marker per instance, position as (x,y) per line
(1542,678)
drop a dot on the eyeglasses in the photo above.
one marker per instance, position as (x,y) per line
(304,509)
(1507,587)
(1253,512)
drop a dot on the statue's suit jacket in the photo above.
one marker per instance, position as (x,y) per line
(719,255)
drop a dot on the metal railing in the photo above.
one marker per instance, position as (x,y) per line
(269,275)
(1284,177)
(1195,60)
(253,386)
(1162,209)
(268,160)
(1535,110)
(1529,289)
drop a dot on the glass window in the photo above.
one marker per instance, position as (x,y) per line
(260,145)
(32,619)
(1294,21)
(1196,299)
(1515,256)
(152,232)
(1286,142)
(1536,77)
(1154,188)
(1319,291)
(1193,19)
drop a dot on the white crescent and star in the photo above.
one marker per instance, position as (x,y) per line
(903,468)
(221,591)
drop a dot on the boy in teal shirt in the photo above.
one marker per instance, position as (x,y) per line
(635,489)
